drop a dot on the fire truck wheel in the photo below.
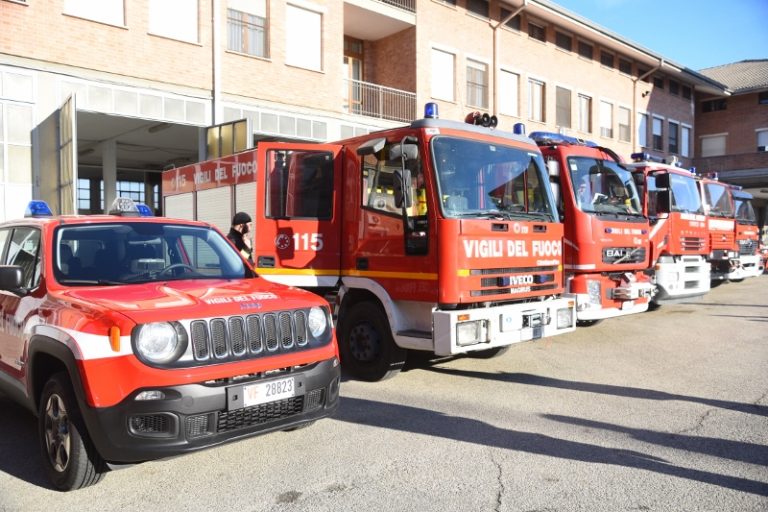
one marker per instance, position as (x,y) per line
(70,459)
(368,351)
(587,323)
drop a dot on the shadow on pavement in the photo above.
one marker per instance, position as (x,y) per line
(604,389)
(750,453)
(423,421)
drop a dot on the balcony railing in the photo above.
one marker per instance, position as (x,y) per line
(406,5)
(371,100)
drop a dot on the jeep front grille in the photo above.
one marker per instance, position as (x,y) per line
(238,337)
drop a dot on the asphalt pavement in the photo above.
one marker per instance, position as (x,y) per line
(661,411)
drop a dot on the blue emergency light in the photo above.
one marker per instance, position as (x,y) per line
(519,129)
(38,208)
(430,111)
(144,210)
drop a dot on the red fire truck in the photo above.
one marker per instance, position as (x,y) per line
(679,234)
(135,338)
(438,236)
(606,233)
(723,249)
(747,237)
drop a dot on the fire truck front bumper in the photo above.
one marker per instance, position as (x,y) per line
(747,266)
(469,330)
(163,422)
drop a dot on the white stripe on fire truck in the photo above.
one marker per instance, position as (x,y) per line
(658,226)
(85,346)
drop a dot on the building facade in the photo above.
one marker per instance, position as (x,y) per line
(97,97)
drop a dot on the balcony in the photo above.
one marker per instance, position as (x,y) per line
(371,100)
(371,20)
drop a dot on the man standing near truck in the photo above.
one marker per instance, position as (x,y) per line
(239,234)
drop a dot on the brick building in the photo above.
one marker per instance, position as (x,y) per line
(732,131)
(98,97)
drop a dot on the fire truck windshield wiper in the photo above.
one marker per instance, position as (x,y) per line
(90,282)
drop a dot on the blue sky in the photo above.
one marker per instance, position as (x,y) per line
(693,33)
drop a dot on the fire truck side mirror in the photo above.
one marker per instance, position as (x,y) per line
(401,190)
(663,201)
(409,151)
(11,277)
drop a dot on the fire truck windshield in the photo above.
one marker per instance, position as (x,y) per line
(745,214)
(477,178)
(139,252)
(603,186)
(718,199)
(685,195)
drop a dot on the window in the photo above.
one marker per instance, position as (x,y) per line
(674,88)
(176,19)
(685,141)
(514,23)
(642,130)
(762,140)
(625,66)
(687,92)
(673,141)
(300,184)
(713,145)
(585,50)
(625,130)
(23,250)
(477,84)
(762,98)
(658,82)
(536,100)
(643,73)
(606,119)
(657,129)
(479,7)
(104,11)
(585,113)
(713,105)
(563,41)
(563,107)
(247,28)
(304,38)
(537,32)
(606,59)
(442,75)
(509,94)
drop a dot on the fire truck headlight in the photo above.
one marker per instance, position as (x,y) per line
(160,342)
(469,333)
(317,322)
(593,290)
(564,318)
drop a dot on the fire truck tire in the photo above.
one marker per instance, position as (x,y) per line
(367,349)
(70,459)
(587,323)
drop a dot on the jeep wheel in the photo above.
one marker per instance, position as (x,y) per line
(69,458)
(367,349)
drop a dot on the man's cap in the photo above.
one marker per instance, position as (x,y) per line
(241,218)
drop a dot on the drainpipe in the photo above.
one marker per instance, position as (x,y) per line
(216,61)
(495,75)
(633,121)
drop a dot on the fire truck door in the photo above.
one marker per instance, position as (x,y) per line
(298,213)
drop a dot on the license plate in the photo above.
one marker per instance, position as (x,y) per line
(263,392)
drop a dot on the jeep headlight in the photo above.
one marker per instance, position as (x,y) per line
(317,321)
(160,342)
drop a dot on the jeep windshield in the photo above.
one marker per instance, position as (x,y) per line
(487,180)
(140,252)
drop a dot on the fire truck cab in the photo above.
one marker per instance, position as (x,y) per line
(679,234)
(719,208)
(606,233)
(747,237)
(135,338)
(439,236)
